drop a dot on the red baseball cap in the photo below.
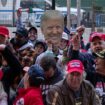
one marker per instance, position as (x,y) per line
(4,31)
(94,35)
(75,65)
(103,36)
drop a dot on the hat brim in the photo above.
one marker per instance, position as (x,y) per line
(2,34)
(98,55)
(18,33)
(75,70)
(99,37)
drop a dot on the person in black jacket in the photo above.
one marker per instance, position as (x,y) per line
(97,45)
(99,76)
(8,73)
(20,41)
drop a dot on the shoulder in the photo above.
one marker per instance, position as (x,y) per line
(34,96)
(85,54)
(87,85)
(58,76)
(60,73)
(39,58)
(57,86)
(87,57)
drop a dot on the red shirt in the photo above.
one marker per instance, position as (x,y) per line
(30,96)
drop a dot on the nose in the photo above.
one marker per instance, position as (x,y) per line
(98,45)
(74,77)
(55,31)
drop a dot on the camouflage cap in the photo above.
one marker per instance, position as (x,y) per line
(100,54)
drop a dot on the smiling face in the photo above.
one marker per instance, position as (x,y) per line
(97,45)
(52,30)
(100,65)
(39,48)
(63,44)
(32,35)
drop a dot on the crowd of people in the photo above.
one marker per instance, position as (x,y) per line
(60,70)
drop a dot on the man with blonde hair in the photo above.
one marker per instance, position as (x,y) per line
(52,25)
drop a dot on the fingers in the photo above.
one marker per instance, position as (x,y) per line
(75,41)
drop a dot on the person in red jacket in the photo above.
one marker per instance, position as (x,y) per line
(31,93)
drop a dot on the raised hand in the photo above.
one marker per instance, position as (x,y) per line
(75,41)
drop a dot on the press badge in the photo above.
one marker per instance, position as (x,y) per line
(78,101)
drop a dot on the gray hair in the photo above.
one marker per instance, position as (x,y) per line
(52,14)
